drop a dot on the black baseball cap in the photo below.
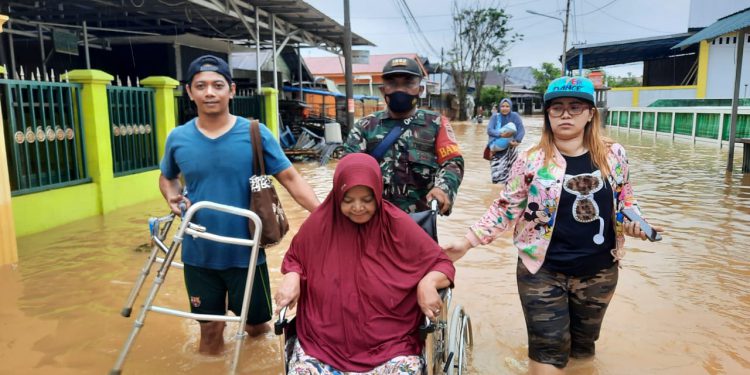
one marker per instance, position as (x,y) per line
(402,65)
(209,63)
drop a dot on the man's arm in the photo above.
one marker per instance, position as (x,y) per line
(451,171)
(298,188)
(448,179)
(171,189)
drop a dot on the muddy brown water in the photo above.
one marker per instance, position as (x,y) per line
(682,305)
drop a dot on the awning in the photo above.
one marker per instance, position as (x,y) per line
(312,91)
(626,51)
(724,25)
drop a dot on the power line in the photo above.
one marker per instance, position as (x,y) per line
(597,9)
(628,22)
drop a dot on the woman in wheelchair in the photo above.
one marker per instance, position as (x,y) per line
(363,275)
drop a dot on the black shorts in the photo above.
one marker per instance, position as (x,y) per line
(212,291)
(564,313)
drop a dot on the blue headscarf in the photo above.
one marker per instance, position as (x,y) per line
(506,100)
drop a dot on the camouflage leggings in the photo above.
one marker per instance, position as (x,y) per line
(564,313)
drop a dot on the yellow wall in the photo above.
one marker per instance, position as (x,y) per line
(702,78)
(37,212)
(637,91)
(8,245)
(136,188)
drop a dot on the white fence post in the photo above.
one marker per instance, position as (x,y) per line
(721,129)
(695,119)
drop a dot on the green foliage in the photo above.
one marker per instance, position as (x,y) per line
(490,95)
(545,75)
(628,81)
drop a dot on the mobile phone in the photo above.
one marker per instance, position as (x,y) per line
(651,234)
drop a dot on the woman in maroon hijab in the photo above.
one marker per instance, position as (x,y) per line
(363,274)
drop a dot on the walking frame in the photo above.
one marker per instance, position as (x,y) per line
(159,228)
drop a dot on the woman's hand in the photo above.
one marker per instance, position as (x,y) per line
(507,134)
(633,229)
(457,249)
(288,292)
(513,143)
(428,297)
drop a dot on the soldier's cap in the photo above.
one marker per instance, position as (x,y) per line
(209,63)
(570,87)
(402,65)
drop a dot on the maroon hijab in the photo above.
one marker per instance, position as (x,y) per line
(358,303)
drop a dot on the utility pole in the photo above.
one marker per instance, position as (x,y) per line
(441,77)
(565,37)
(565,30)
(348,68)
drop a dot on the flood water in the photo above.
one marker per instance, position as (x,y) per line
(682,305)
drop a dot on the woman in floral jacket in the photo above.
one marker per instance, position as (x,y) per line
(563,199)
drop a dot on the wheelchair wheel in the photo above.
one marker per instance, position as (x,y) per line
(460,340)
(465,343)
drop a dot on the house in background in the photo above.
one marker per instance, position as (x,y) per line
(367,77)
(518,83)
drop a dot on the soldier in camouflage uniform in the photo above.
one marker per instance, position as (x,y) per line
(424,163)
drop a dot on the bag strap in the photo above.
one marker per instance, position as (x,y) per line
(257,143)
(390,138)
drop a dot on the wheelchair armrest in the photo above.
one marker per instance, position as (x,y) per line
(278,326)
(426,328)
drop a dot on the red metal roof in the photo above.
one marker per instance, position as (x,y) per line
(334,65)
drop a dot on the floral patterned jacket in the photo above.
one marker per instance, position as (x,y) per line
(533,181)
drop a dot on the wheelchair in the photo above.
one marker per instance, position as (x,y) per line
(447,341)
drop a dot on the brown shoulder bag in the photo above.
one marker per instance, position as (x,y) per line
(263,198)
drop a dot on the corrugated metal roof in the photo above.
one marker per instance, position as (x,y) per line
(225,20)
(728,24)
(625,51)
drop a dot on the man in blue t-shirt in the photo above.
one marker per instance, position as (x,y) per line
(213,154)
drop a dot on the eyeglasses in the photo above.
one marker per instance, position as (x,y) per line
(574,109)
(408,85)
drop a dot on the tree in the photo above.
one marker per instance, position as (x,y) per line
(480,38)
(545,75)
(491,95)
(628,81)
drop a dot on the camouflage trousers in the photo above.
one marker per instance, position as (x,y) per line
(564,313)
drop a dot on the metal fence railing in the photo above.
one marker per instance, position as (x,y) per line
(249,106)
(243,105)
(708,123)
(133,135)
(44,135)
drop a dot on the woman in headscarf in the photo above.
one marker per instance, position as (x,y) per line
(363,274)
(505,130)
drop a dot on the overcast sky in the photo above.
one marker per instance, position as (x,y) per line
(591,21)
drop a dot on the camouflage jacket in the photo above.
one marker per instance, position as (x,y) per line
(425,156)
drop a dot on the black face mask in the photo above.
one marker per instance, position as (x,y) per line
(400,102)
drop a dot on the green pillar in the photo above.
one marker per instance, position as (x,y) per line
(271,103)
(164,99)
(96,130)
